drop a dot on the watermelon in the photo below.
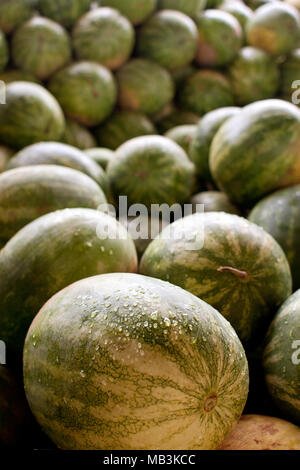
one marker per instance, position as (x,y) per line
(213,3)
(176,117)
(3,51)
(253,75)
(169,369)
(40,46)
(29,192)
(256,151)
(169,38)
(182,135)
(109,29)
(123,126)
(239,10)
(49,254)
(257,432)
(86,91)
(5,155)
(65,12)
(290,73)
(151,170)
(137,11)
(181,74)
(16,75)
(14,12)
(100,155)
(278,214)
(31,114)
(78,135)
(282,358)
(144,86)
(206,130)
(213,201)
(205,91)
(190,7)
(274,27)
(220,38)
(232,264)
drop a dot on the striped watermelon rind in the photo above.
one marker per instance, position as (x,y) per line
(190,8)
(134,10)
(65,12)
(182,135)
(15,12)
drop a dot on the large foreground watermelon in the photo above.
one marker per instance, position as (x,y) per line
(104,35)
(151,170)
(14,12)
(41,46)
(230,263)
(122,361)
(65,12)
(136,11)
(190,7)
(77,135)
(282,358)
(31,114)
(3,51)
(51,253)
(257,151)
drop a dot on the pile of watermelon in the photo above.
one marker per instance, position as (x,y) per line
(187,337)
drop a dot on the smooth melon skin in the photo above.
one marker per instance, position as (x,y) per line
(122,361)
(51,253)
(78,135)
(29,192)
(257,432)
(15,12)
(182,135)
(65,12)
(228,262)
(190,7)
(136,11)
(256,151)
(281,358)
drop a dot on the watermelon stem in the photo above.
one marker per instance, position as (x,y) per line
(237,272)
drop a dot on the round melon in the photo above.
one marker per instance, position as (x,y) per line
(65,12)
(205,91)
(282,358)
(182,135)
(274,27)
(181,74)
(144,86)
(3,51)
(205,132)
(49,254)
(122,126)
(290,73)
(169,38)
(257,151)
(151,170)
(170,371)
(29,192)
(15,12)
(5,154)
(103,35)
(16,75)
(230,263)
(137,11)
(239,10)
(40,46)
(31,114)
(86,91)
(254,76)
(213,201)
(102,156)
(190,7)
(256,432)
(176,117)
(78,136)
(220,37)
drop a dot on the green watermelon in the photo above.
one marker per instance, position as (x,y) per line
(14,12)
(213,201)
(204,91)
(220,38)
(169,370)
(137,11)
(212,3)
(16,75)
(182,135)
(169,38)
(282,358)
(151,170)
(3,51)
(256,151)
(175,117)
(278,214)
(78,136)
(49,254)
(29,192)
(144,86)
(31,114)
(290,73)
(206,130)
(65,12)
(108,28)
(123,126)
(190,7)
(181,74)
(5,155)
(40,46)
(253,75)
(274,27)
(100,155)
(232,264)
(86,91)
(239,10)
